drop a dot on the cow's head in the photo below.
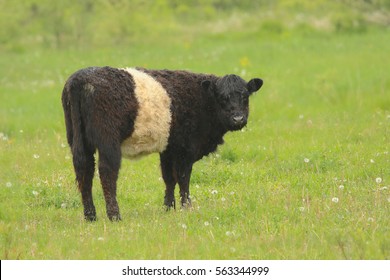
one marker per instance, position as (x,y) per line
(232,98)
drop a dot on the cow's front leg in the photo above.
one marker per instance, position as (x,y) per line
(169,180)
(183,171)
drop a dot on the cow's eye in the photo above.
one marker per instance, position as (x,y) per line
(225,98)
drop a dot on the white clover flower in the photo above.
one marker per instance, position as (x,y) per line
(3,136)
(8,184)
(35,193)
(341,187)
(100,239)
(223,199)
(36,156)
(306,160)
(335,199)
(184,226)
(378,180)
(214,192)
(206,223)
(63,205)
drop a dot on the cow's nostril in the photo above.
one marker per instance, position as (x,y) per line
(238,119)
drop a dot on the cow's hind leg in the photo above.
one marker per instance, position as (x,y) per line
(84,165)
(169,180)
(109,164)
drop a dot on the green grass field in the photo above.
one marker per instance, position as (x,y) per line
(308,178)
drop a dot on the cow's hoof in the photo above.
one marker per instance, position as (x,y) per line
(186,204)
(90,215)
(170,205)
(90,218)
(115,217)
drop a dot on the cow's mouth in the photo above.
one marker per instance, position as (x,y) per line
(237,122)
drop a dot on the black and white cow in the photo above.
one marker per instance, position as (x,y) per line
(132,112)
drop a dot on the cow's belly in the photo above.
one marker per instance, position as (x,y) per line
(144,143)
(153,121)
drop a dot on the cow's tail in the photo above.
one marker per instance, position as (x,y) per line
(71,102)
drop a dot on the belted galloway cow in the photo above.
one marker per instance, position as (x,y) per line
(132,112)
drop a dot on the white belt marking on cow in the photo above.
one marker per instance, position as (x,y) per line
(153,121)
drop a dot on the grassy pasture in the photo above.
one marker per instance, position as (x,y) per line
(308,178)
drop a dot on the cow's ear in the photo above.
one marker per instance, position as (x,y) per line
(254,85)
(209,88)
(207,85)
